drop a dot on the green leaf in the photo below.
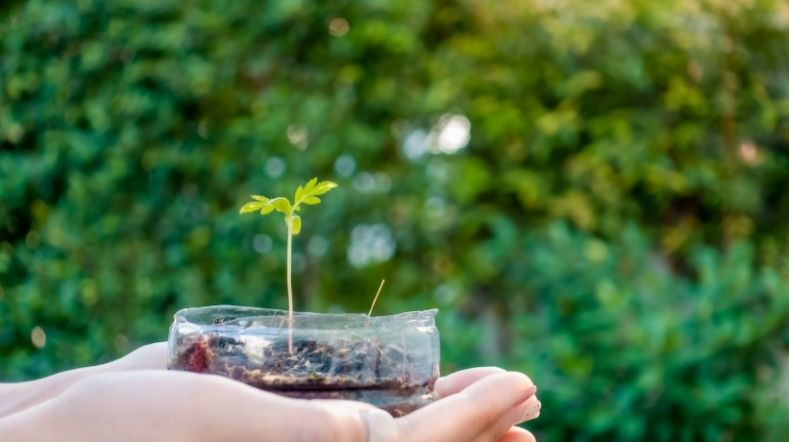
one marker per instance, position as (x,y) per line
(265,210)
(307,194)
(312,189)
(260,198)
(310,184)
(282,205)
(296,222)
(252,206)
(323,187)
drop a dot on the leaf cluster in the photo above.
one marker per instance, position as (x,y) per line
(306,194)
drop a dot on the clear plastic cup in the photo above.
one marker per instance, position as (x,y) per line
(388,361)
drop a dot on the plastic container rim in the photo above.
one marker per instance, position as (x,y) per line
(201,316)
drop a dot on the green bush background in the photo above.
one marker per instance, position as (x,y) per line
(616,226)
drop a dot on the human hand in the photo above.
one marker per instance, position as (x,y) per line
(462,413)
(477,405)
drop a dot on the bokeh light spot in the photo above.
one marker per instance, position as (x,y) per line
(452,133)
(339,27)
(749,153)
(345,165)
(298,135)
(370,244)
(38,337)
(275,167)
(262,243)
(318,246)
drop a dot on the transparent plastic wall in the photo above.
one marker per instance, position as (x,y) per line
(388,361)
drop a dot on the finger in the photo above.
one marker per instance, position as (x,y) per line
(532,409)
(478,407)
(517,434)
(147,357)
(460,380)
(523,411)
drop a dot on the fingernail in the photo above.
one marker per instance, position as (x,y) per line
(532,412)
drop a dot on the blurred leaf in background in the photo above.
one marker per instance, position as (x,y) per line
(593,192)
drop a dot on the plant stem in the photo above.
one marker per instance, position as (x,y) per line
(289,222)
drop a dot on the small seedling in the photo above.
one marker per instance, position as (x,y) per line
(336,356)
(305,195)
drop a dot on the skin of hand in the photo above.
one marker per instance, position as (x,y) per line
(21,395)
(133,399)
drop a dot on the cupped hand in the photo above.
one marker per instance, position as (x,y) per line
(131,399)
(478,404)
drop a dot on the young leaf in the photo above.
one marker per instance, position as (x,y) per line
(260,198)
(296,224)
(252,206)
(323,187)
(310,184)
(282,205)
(307,194)
(265,210)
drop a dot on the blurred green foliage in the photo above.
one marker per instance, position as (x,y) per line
(616,226)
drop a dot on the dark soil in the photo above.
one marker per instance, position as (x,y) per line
(362,370)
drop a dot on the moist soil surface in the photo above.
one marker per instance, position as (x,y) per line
(362,370)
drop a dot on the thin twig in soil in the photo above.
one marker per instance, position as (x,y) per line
(376,297)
